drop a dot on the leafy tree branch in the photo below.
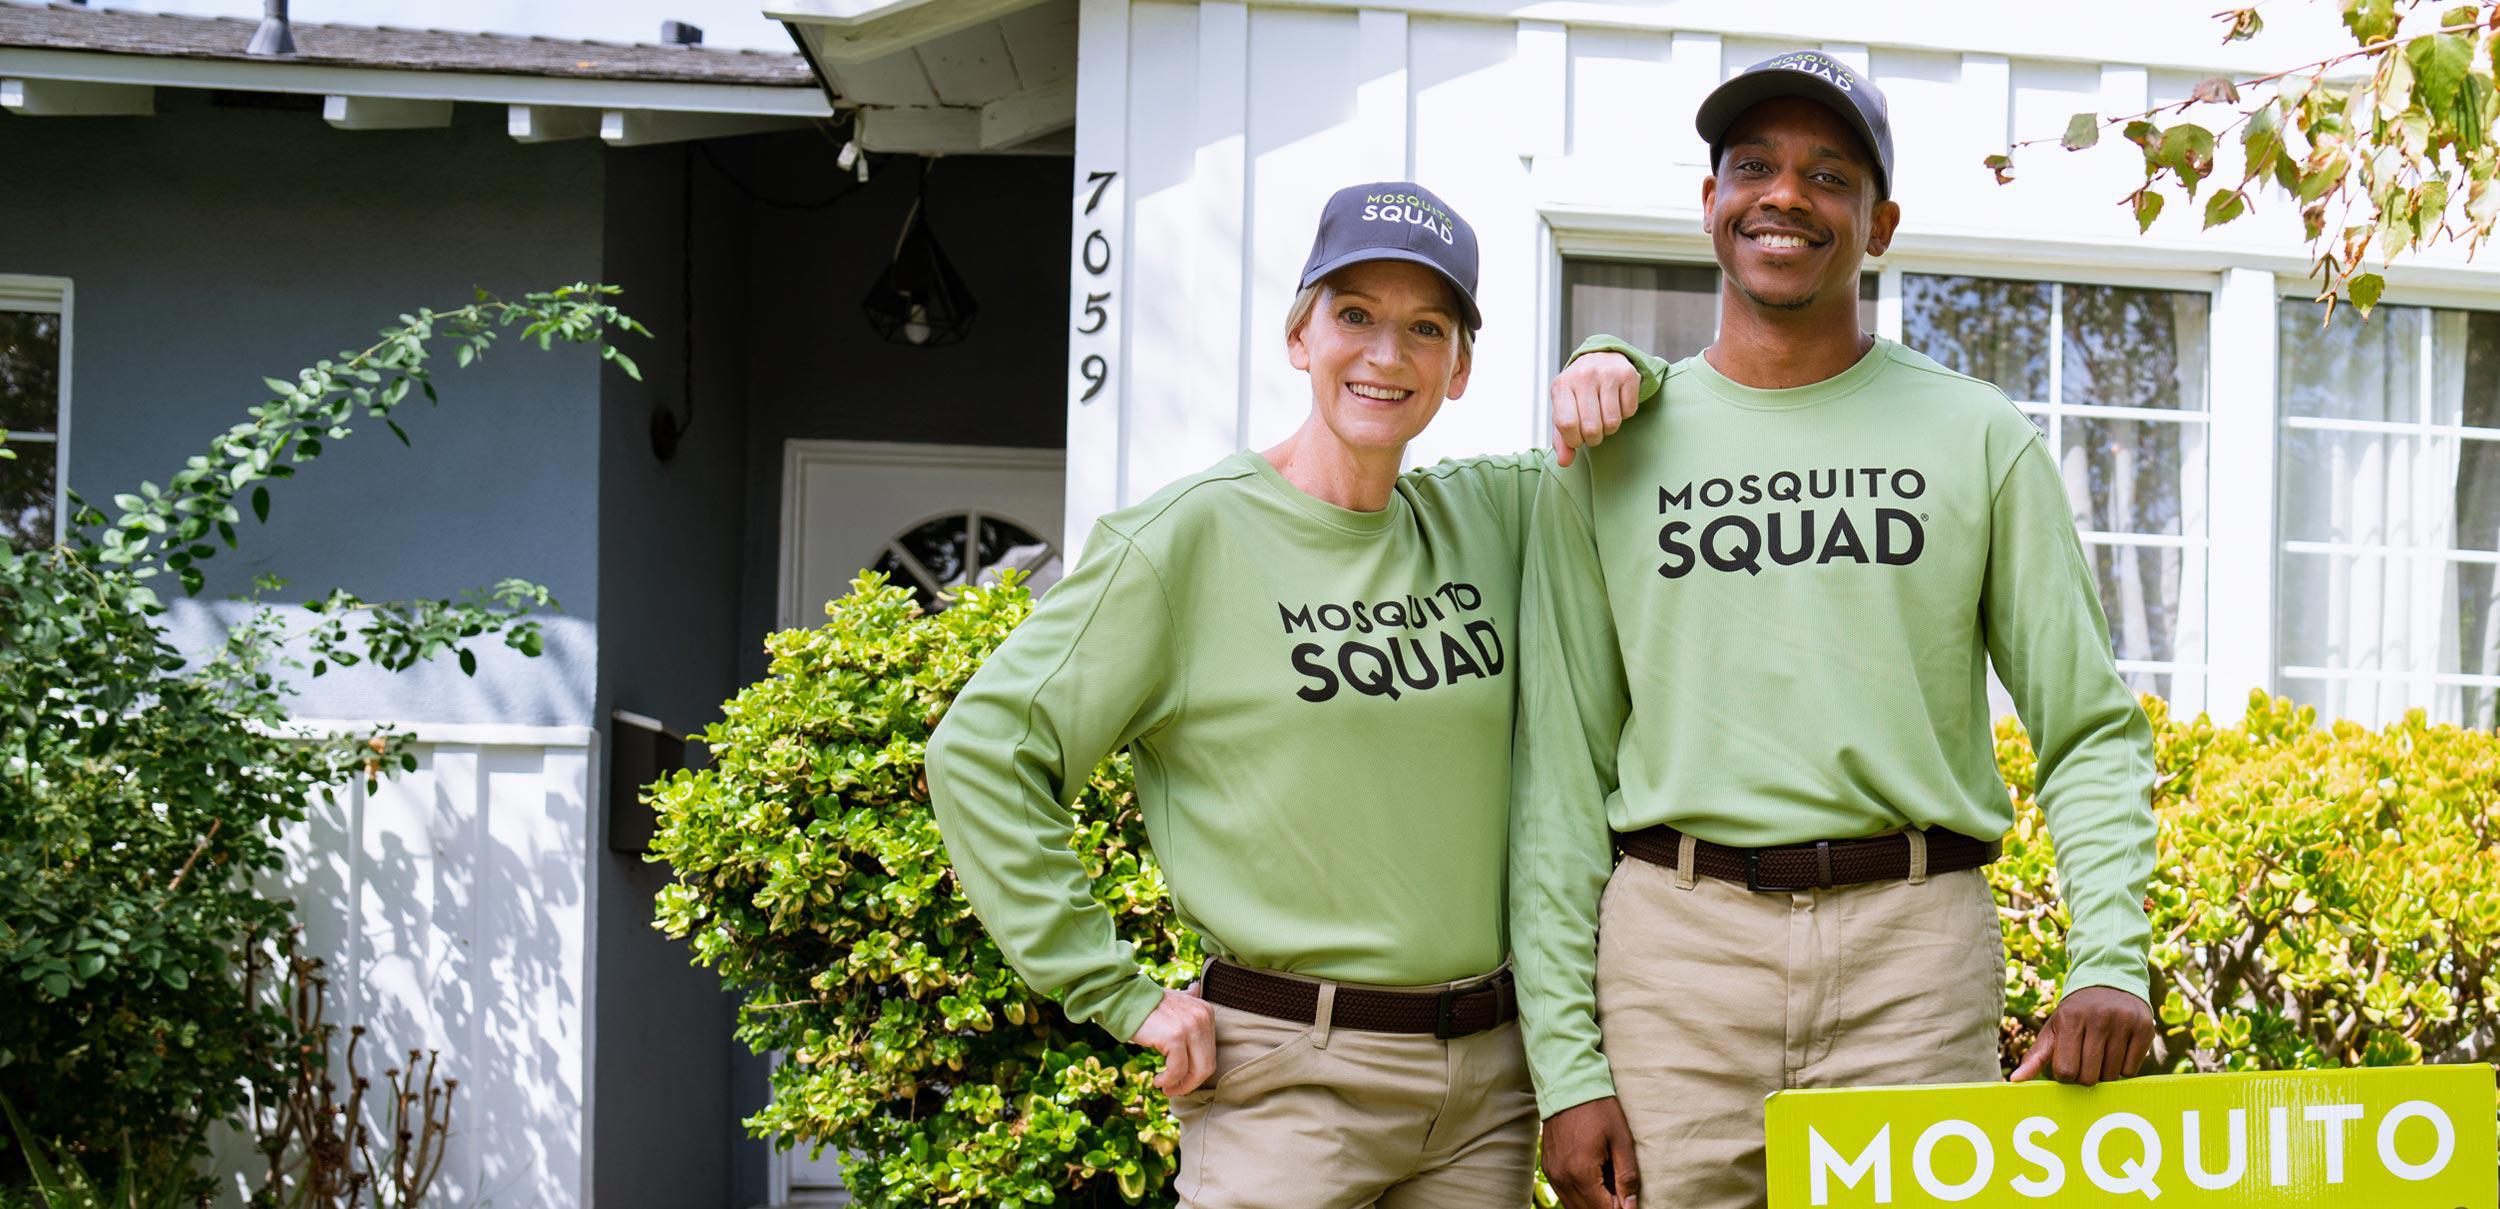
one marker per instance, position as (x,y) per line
(2386,148)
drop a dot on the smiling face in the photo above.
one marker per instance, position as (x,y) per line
(1383,350)
(1793,209)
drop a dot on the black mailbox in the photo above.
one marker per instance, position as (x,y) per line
(640,751)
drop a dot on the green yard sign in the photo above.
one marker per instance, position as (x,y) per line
(2418,1137)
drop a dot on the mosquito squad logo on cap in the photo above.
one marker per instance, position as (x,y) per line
(1396,220)
(1815,76)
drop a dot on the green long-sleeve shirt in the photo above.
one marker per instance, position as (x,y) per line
(1766,617)
(1318,702)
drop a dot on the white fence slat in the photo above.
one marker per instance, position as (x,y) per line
(1305,67)
(1168,436)
(1218,410)
(1381,97)
(1097,434)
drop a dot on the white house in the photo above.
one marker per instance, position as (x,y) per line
(2315,512)
(1129,187)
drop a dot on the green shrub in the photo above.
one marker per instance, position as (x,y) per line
(809,873)
(2323,898)
(142,793)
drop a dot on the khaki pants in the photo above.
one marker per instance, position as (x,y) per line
(1711,996)
(1306,1117)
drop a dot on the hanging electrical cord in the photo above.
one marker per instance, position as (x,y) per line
(760,197)
(668,428)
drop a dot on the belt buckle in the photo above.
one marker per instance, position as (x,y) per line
(1753,876)
(1445,1009)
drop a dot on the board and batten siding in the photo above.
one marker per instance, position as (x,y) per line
(1209,134)
(451,908)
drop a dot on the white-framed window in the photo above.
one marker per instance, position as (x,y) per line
(1665,308)
(2116,376)
(2388,506)
(34,409)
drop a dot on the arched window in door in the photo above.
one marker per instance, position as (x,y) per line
(956,548)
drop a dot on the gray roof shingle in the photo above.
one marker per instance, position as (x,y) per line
(53,26)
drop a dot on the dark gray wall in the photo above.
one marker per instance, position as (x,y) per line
(212,247)
(665,1128)
(821,373)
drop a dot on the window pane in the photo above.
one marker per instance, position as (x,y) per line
(1670,310)
(2124,475)
(2359,613)
(2156,683)
(2140,597)
(2397,615)
(2470,396)
(30,372)
(2133,348)
(2349,369)
(2374,489)
(1996,331)
(27,491)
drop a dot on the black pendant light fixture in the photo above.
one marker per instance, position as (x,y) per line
(920,299)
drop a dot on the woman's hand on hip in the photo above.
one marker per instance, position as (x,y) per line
(1592,397)
(1182,1027)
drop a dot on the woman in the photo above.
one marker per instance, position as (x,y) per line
(1308,653)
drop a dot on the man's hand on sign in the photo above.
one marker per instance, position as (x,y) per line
(2096,1033)
(1582,1143)
(1592,397)
(1183,1028)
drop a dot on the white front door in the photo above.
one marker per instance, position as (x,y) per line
(931,517)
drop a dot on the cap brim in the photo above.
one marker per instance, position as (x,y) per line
(1474,317)
(1730,100)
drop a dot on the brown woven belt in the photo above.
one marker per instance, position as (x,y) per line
(1816,866)
(1487,1003)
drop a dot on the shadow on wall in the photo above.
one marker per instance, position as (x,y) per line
(451,908)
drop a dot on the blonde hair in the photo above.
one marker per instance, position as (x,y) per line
(1307,300)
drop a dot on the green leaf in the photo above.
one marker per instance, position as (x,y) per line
(397,431)
(2082,130)
(2147,208)
(2002,166)
(2439,69)
(2364,290)
(260,504)
(2261,144)
(2188,150)
(2370,20)
(279,386)
(2223,207)
(468,662)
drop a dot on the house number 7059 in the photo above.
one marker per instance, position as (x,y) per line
(1094,255)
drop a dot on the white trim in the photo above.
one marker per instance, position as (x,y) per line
(800,455)
(49,296)
(389,83)
(2391,428)
(1676,234)
(25,292)
(1098,429)
(467,734)
(2449,679)
(2241,491)
(2369,550)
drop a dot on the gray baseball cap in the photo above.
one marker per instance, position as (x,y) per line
(1396,220)
(1815,76)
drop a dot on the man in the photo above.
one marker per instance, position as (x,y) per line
(1756,634)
